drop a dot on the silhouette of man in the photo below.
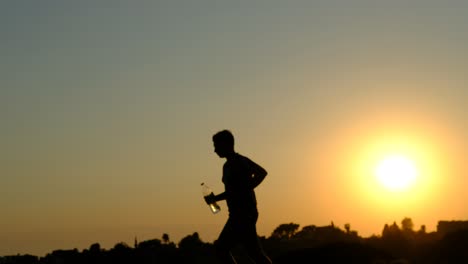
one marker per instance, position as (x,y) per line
(240,177)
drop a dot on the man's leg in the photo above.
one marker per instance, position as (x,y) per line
(225,243)
(252,244)
(256,253)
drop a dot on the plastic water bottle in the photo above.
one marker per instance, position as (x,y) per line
(215,208)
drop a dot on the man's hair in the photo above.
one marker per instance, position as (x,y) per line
(225,137)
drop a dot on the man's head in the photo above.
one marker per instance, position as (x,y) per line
(223,143)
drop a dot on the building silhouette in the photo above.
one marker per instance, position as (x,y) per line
(445,227)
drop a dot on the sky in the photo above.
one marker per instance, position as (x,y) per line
(107,111)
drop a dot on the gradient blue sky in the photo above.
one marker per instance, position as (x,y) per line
(108,108)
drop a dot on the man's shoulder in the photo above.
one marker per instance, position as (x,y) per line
(244,161)
(242,158)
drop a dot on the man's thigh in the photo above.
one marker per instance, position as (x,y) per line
(238,229)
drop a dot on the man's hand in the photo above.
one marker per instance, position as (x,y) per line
(209,199)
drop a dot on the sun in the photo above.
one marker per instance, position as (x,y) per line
(396,172)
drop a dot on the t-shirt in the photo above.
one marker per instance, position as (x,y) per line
(237,179)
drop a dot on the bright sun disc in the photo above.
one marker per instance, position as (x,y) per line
(396,172)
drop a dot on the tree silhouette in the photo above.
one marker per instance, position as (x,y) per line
(193,250)
(191,242)
(422,230)
(165,238)
(95,248)
(347,228)
(407,224)
(285,231)
(121,253)
(150,244)
(391,231)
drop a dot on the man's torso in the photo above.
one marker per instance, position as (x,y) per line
(237,176)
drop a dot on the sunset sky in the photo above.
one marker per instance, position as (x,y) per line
(107,111)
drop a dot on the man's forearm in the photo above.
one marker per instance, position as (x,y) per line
(221,196)
(257,179)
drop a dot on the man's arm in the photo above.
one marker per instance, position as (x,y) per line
(258,173)
(214,198)
(221,196)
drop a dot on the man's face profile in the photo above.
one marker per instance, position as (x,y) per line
(220,149)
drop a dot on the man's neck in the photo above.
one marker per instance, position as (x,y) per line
(230,155)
